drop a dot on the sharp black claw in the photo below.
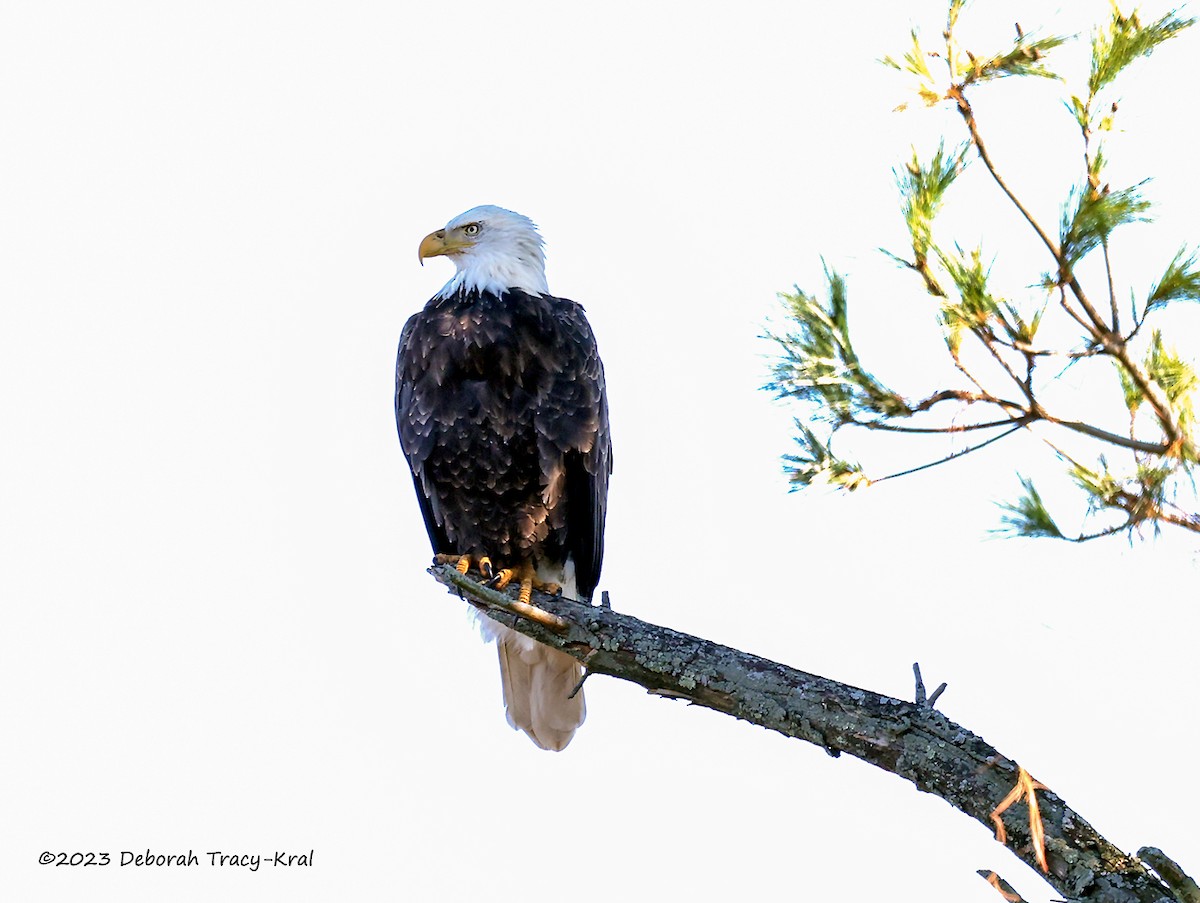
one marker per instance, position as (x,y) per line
(485,568)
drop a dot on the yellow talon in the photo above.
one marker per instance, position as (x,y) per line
(462,563)
(529,581)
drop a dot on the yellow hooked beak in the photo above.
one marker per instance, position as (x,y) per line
(439,244)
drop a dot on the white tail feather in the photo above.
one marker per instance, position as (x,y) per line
(537,680)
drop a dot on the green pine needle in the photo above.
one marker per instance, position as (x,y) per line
(1154,481)
(1079,110)
(819,365)
(1176,377)
(976,306)
(1018,329)
(1125,40)
(1091,217)
(1129,389)
(1025,57)
(817,464)
(923,190)
(1180,282)
(1101,486)
(1027,516)
(914,60)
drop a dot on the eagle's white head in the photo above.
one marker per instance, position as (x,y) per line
(494,249)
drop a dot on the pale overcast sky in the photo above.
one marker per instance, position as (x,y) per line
(219,635)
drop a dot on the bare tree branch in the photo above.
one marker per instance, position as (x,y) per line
(915,742)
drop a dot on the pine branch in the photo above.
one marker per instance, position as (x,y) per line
(1187,521)
(1020,423)
(914,742)
(940,430)
(1112,290)
(1093,214)
(967,112)
(1150,448)
(819,367)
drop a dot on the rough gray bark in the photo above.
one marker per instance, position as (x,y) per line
(915,742)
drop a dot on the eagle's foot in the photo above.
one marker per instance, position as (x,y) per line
(529,581)
(462,564)
(503,578)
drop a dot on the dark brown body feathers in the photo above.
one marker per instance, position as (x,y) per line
(502,415)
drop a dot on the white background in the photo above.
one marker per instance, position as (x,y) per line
(218,633)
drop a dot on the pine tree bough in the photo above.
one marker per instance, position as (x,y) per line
(915,742)
(992,340)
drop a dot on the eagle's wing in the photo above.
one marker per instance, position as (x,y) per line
(573,416)
(416,434)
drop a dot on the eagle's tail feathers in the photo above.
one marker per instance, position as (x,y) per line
(537,682)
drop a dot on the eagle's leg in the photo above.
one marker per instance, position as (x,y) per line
(529,581)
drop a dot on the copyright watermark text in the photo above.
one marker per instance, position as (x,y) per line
(191,859)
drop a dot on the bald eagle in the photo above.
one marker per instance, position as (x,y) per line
(503,417)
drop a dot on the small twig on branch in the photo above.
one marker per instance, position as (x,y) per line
(966,397)
(968,115)
(1112,289)
(1034,351)
(920,694)
(1187,521)
(938,430)
(958,454)
(1150,448)
(986,339)
(1181,884)
(1065,305)
(1005,889)
(579,685)
(913,742)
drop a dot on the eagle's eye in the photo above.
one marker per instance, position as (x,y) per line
(471,228)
